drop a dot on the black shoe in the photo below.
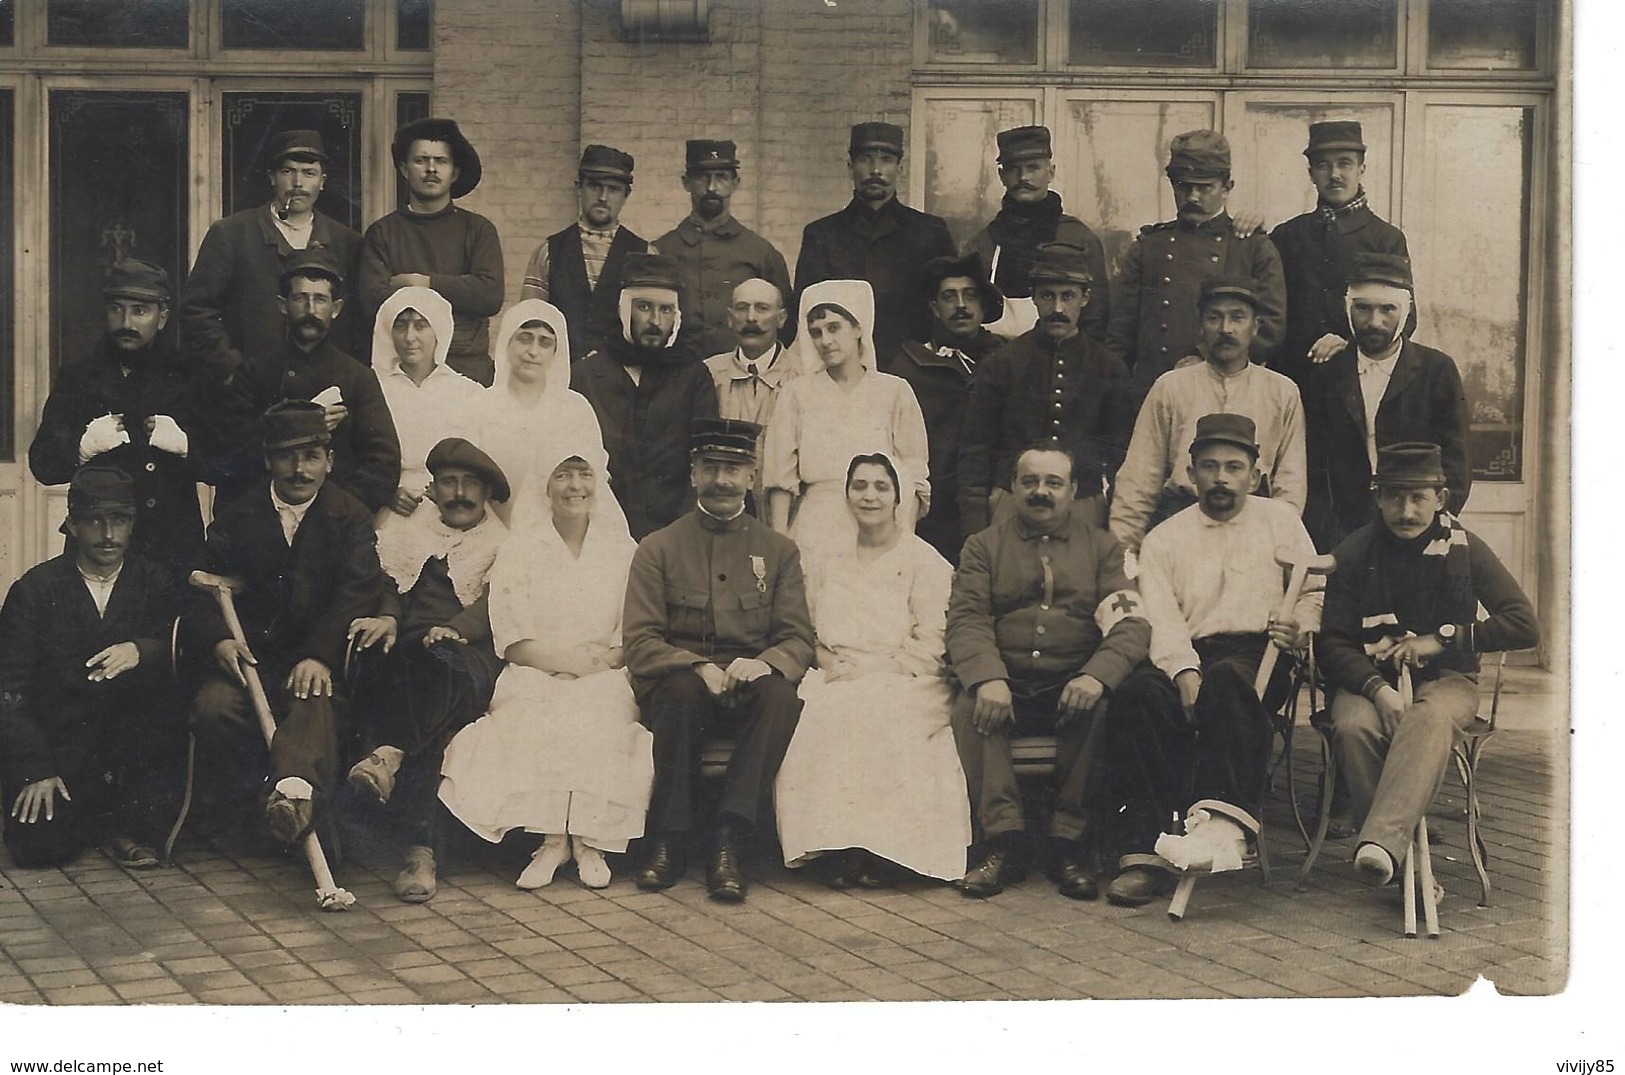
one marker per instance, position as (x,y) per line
(725,873)
(663,866)
(1074,881)
(1002,865)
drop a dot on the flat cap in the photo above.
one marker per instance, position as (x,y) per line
(441,129)
(1227,287)
(711,155)
(1024,144)
(299,145)
(1062,263)
(99,487)
(312,261)
(731,437)
(605,162)
(1409,465)
(874,135)
(1198,155)
(648,270)
(294,423)
(939,269)
(1334,134)
(1234,429)
(462,454)
(1371,267)
(133,278)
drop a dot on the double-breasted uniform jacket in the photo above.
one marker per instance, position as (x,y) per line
(1424,401)
(366,448)
(1016,235)
(885,246)
(712,259)
(1155,322)
(53,719)
(1317,255)
(169,524)
(228,306)
(298,601)
(592,312)
(708,589)
(1074,393)
(646,428)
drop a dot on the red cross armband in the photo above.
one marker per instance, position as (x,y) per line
(1117,607)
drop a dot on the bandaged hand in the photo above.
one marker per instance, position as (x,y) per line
(102,435)
(164,434)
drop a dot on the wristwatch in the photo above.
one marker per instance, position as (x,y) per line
(1447,635)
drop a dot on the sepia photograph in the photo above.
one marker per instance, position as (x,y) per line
(612,504)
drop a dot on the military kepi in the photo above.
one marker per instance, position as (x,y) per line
(730,437)
(133,278)
(649,270)
(1409,465)
(1227,287)
(1198,155)
(1024,144)
(1334,135)
(605,162)
(712,155)
(1062,263)
(1371,267)
(866,136)
(1235,429)
(294,423)
(464,455)
(100,488)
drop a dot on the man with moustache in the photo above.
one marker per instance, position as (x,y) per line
(717,635)
(85,691)
(1318,248)
(1054,384)
(306,366)
(963,302)
(1196,728)
(135,404)
(435,665)
(579,268)
(227,308)
(878,239)
(436,244)
(1031,216)
(1042,626)
(1153,484)
(1154,322)
(749,377)
(647,395)
(1383,388)
(306,554)
(713,251)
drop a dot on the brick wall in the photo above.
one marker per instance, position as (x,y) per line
(531,81)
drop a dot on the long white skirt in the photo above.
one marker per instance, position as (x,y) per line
(553,755)
(873,765)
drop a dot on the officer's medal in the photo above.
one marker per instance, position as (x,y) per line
(758,567)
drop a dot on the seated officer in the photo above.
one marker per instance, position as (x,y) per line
(84,682)
(1041,625)
(717,635)
(306,554)
(1406,593)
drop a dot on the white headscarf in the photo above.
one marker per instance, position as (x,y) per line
(857,298)
(556,378)
(426,301)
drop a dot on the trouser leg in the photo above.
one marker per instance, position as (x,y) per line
(305,744)
(1360,738)
(990,773)
(1417,757)
(1138,773)
(1234,731)
(764,717)
(677,711)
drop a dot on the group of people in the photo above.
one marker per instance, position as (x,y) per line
(870,528)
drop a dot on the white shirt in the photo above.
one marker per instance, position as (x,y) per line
(101,590)
(290,515)
(1375,374)
(298,236)
(446,404)
(1201,577)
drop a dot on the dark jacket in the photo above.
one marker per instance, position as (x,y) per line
(1154,320)
(169,525)
(704,589)
(1316,258)
(1030,390)
(1424,402)
(942,384)
(646,429)
(366,449)
(886,247)
(713,259)
(53,718)
(297,601)
(228,306)
(593,313)
(1016,233)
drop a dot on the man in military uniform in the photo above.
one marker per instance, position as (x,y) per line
(579,268)
(717,635)
(1031,216)
(228,306)
(1318,247)
(715,253)
(134,404)
(1051,384)
(1154,324)
(876,238)
(963,302)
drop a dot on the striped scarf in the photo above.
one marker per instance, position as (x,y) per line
(1446,547)
(1330,213)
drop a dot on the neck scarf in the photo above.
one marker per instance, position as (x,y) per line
(407,544)
(1330,213)
(1444,551)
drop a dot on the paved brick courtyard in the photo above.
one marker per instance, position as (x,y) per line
(242,928)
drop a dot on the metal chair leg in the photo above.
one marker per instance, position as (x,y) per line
(168,856)
(1328,779)
(1467,768)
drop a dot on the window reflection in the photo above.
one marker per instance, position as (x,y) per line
(414,25)
(328,25)
(1482,34)
(1323,33)
(983,31)
(1143,33)
(146,24)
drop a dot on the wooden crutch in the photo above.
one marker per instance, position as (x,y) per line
(1301,570)
(1419,854)
(329,896)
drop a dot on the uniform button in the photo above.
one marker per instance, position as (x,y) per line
(1040,628)
(1170,257)
(1057,391)
(1165,326)
(1213,257)
(1059,375)
(722,578)
(1166,280)
(151,503)
(152,466)
(1058,406)
(1044,607)
(1165,350)
(1165,302)
(1036,655)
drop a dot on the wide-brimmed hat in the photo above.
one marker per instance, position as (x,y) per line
(941,268)
(294,423)
(441,129)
